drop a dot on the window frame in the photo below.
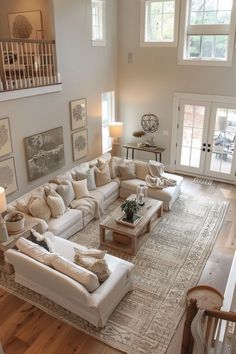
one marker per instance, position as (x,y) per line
(173,43)
(186,29)
(102,13)
(112,119)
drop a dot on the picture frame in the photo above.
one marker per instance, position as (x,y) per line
(44,153)
(25,25)
(5,137)
(78,113)
(80,144)
(8,179)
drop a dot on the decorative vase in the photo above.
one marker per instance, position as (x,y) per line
(141,194)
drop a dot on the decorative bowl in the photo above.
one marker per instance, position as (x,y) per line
(15,222)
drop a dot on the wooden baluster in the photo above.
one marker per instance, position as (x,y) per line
(14,66)
(187,341)
(4,67)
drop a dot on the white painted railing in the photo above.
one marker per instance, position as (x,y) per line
(27,64)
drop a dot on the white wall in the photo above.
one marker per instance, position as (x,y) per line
(148,85)
(86,72)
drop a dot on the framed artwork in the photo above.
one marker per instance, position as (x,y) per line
(5,137)
(8,175)
(44,153)
(80,144)
(25,25)
(78,114)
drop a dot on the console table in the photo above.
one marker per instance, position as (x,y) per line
(155,150)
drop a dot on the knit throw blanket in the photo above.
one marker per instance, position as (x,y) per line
(156,177)
(88,205)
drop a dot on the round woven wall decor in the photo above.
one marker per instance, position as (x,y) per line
(150,123)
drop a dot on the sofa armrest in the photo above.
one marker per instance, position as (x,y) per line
(42,225)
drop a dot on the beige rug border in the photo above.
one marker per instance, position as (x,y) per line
(218,226)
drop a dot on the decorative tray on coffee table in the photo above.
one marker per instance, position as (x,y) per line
(131,223)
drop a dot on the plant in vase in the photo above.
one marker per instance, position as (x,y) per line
(130,207)
(139,134)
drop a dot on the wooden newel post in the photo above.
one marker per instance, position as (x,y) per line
(187,340)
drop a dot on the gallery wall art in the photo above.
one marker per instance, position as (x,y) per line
(44,153)
(78,114)
(26,25)
(5,137)
(80,144)
(8,175)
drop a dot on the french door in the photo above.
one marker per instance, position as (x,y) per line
(206,139)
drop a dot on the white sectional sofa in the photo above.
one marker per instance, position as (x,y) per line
(95,307)
(73,220)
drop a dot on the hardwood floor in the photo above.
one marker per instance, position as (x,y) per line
(26,329)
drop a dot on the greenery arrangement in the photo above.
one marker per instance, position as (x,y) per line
(130,207)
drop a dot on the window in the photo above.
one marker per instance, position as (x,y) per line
(98,23)
(159,22)
(208,36)
(108,116)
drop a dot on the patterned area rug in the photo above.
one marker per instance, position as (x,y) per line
(170,262)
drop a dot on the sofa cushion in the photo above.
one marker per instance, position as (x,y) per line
(22,203)
(108,189)
(82,167)
(64,222)
(56,205)
(102,174)
(91,252)
(37,252)
(88,279)
(64,176)
(142,169)
(127,171)
(66,191)
(81,189)
(95,265)
(38,207)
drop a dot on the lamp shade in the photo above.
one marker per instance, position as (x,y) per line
(3,202)
(115,130)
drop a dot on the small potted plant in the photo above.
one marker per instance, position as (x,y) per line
(139,134)
(130,207)
(15,222)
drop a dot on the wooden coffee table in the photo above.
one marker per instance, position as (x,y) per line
(125,238)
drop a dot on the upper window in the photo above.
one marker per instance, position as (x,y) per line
(108,116)
(208,36)
(98,23)
(159,22)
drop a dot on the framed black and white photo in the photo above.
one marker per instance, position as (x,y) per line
(8,175)
(78,114)
(5,137)
(44,153)
(80,144)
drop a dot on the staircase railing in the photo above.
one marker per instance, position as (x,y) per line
(27,64)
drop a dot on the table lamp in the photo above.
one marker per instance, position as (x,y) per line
(115,132)
(3,207)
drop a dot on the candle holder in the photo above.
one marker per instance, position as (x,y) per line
(141,194)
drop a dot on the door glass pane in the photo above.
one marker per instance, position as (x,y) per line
(224,140)
(191,145)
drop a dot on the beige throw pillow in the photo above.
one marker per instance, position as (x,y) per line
(38,208)
(142,169)
(127,171)
(66,191)
(95,265)
(81,189)
(88,279)
(102,175)
(56,205)
(37,252)
(92,252)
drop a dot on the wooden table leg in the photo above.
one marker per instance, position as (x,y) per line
(102,235)
(8,268)
(133,245)
(132,154)
(127,153)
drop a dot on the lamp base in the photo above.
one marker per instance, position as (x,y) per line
(115,149)
(3,231)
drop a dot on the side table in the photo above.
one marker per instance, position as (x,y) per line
(11,242)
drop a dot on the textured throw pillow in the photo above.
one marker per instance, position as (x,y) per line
(56,205)
(88,279)
(102,175)
(82,167)
(114,163)
(142,169)
(127,171)
(81,189)
(66,191)
(89,175)
(95,265)
(92,252)
(34,251)
(38,208)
